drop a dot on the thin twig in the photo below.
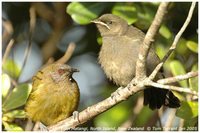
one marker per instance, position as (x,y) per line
(149,38)
(31,29)
(13,81)
(8,48)
(44,11)
(8,30)
(175,42)
(178,78)
(117,97)
(68,53)
(57,18)
(50,61)
(173,88)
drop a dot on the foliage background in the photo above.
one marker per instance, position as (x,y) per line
(58,24)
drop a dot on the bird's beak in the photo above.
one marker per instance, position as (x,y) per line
(96,21)
(74,70)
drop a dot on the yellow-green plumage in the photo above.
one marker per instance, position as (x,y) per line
(55,94)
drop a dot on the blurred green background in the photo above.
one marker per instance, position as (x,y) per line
(58,24)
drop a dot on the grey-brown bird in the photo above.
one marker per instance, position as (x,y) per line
(118,56)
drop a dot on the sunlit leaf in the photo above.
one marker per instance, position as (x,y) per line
(145,14)
(83,13)
(99,40)
(11,68)
(187,110)
(193,82)
(181,47)
(12,127)
(165,32)
(5,80)
(177,68)
(193,46)
(126,11)
(15,114)
(160,50)
(17,97)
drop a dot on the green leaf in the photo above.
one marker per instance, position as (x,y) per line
(11,68)
(177,68)
(99,40)
(5,80)
(181,47)
(17,97)
(191,124)
(193,46)
(83,13)
(127,11)
(145,13)
(160,50)
(15,114)
(187,110)
(165,32)
(113,117)
(193,82)
(12,127)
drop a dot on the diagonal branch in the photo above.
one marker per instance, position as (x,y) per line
(174,44)
(173,88)
(178,78)
(8,48)
(31,29)
(121,95)
(149,38)
(67,54)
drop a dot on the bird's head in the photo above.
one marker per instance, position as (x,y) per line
(109,24)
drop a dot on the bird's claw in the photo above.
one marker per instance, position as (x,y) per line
(116,93)
(42,127)
(76,116)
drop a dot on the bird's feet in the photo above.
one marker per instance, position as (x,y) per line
(116,93)
(42,127)
(76,116)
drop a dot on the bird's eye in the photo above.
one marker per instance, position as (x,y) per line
(61,71)
(109,22)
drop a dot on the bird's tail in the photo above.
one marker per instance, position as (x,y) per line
(155,98)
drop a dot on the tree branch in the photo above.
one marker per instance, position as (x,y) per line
(68,53)
(31,29)
(7,33)
(120,95)
(178,78)
(149,38)
(173,88)
(175,42)
(123,93)
(8,48)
